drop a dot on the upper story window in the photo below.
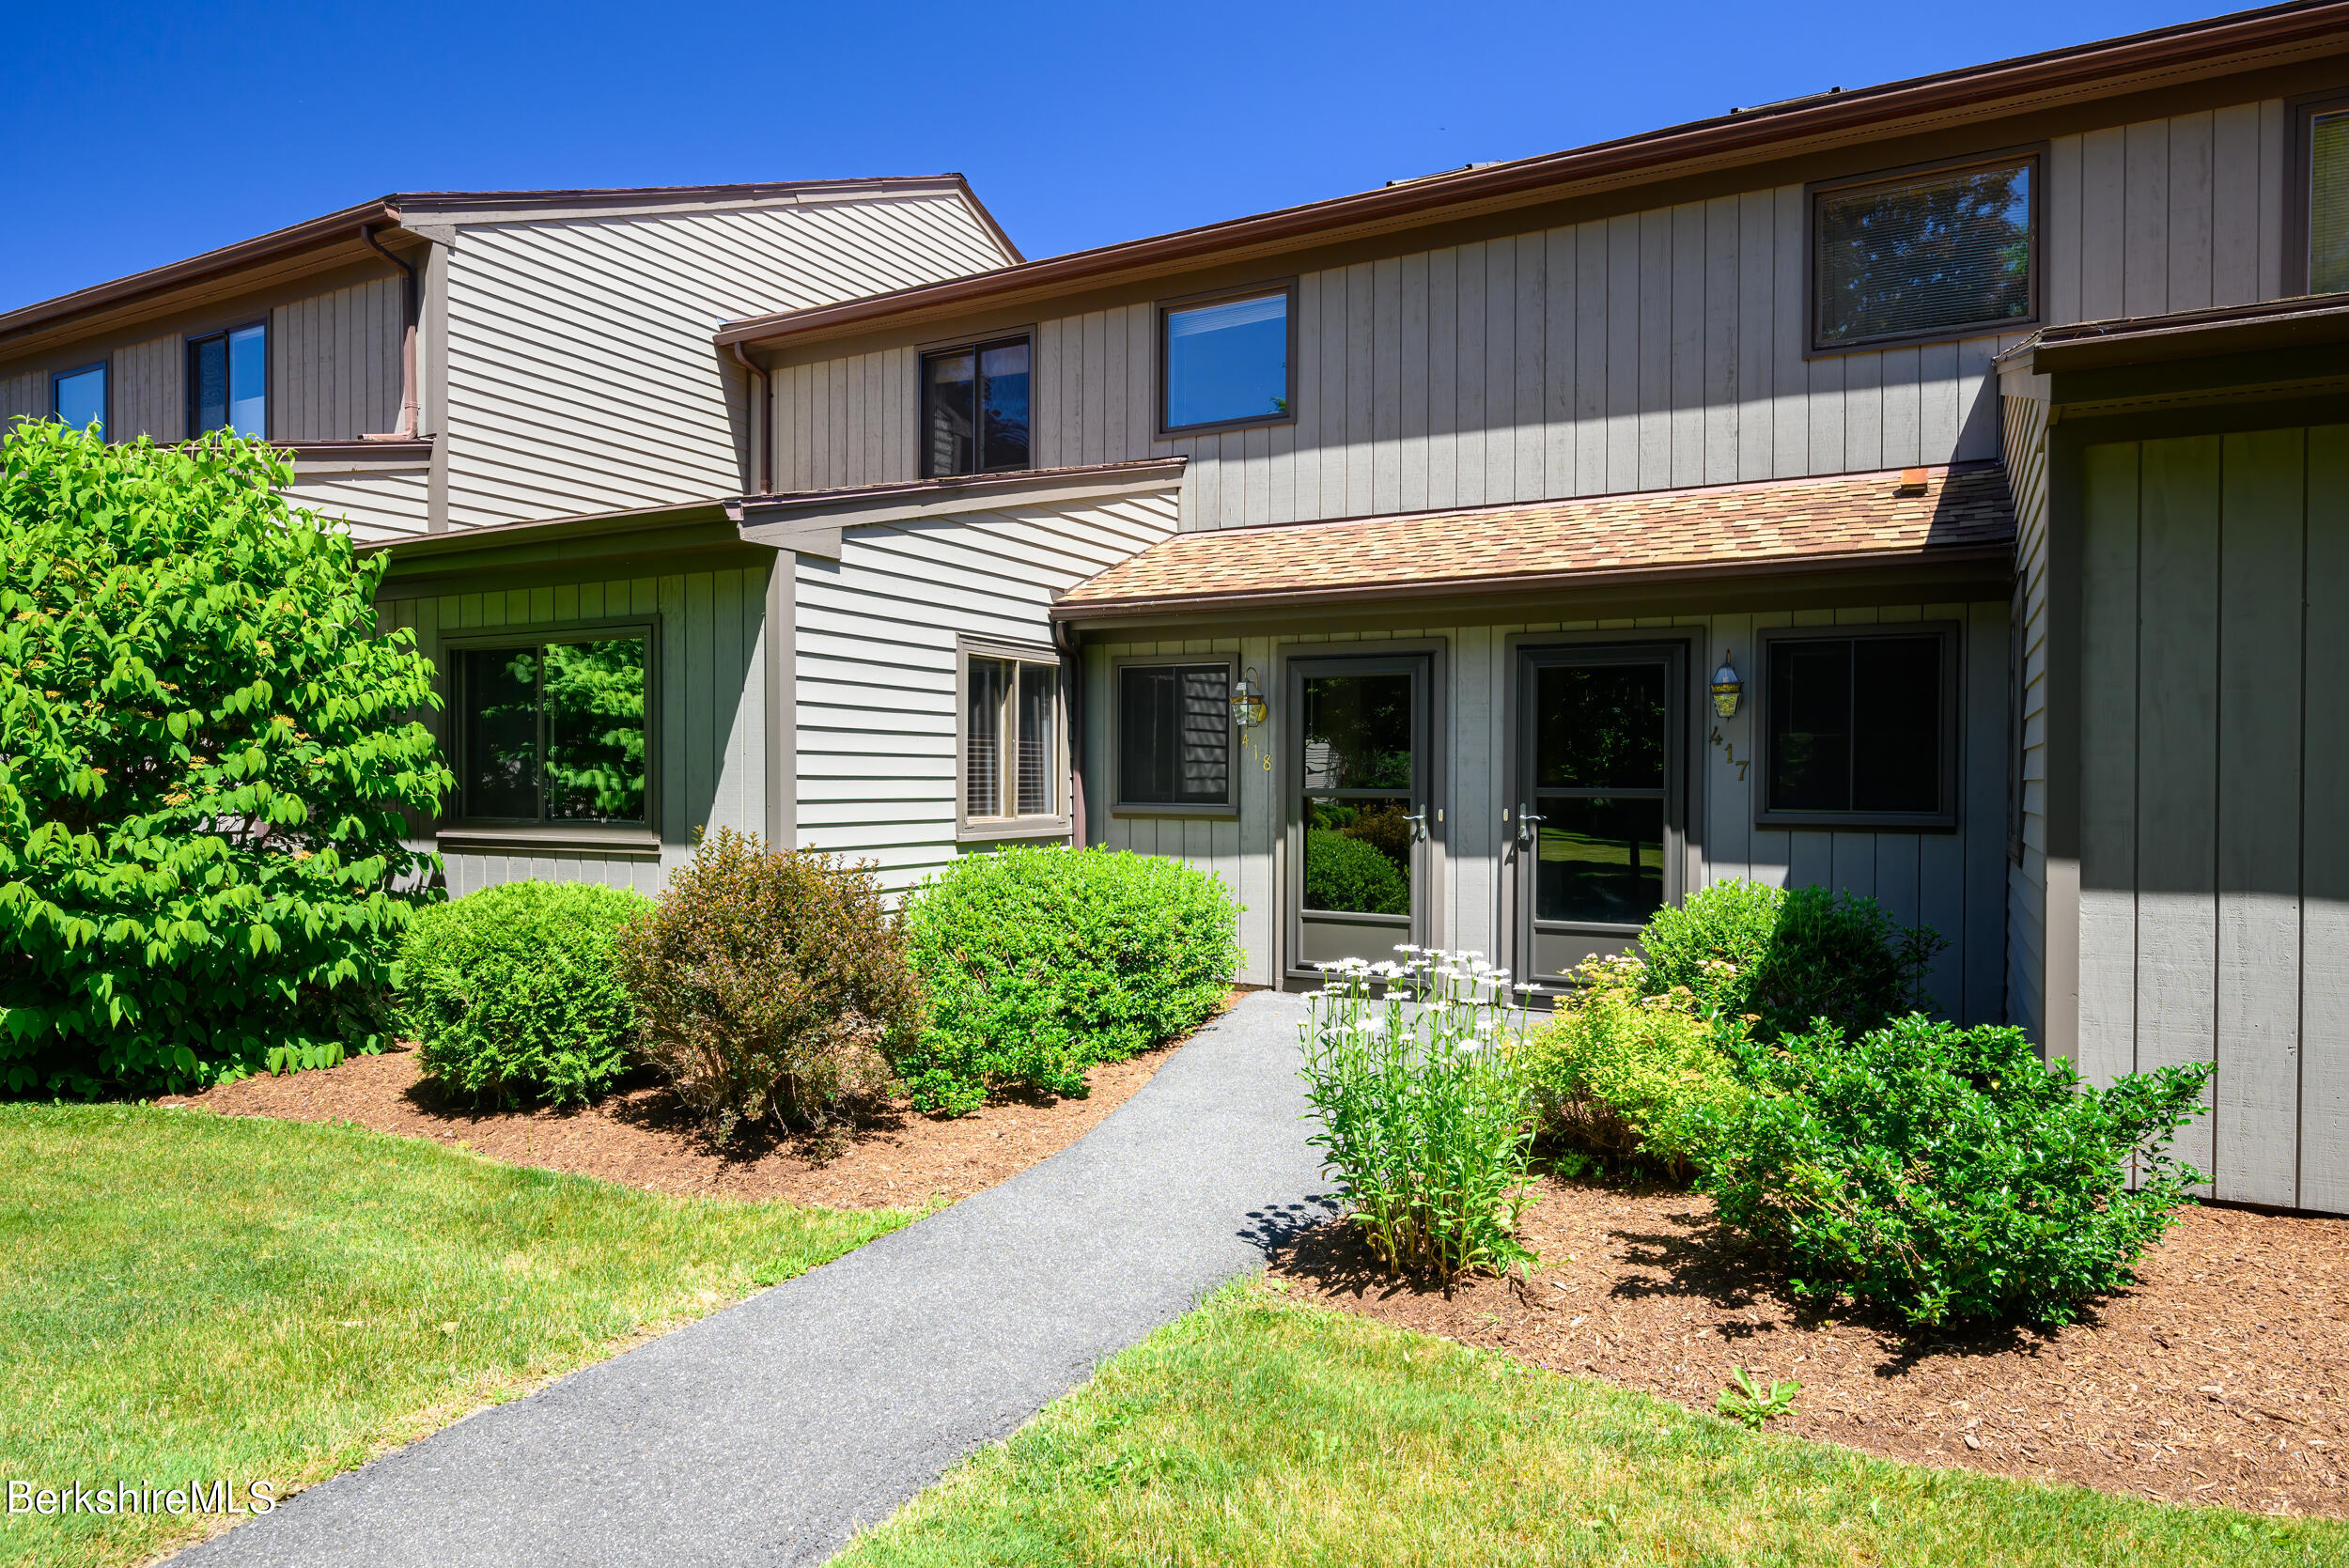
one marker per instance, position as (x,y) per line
(553,731)
(78,397)
(1013,760)
(974,408)
(1859,728)
(1939,253)
(229,381)
(1226,361)
(1175,735)
(2324,153)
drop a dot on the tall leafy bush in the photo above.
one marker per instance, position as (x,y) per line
(512,996)
(770,985)
(1423,1114)
(1041,962)
(205,754)
(1788,958)
(1947,1174)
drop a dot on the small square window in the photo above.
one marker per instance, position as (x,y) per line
(975,405)
(1225,362)
(78,397)
(1175,735)
(228,383)
(553,731)
(1938,254)
(1860,730)
(1014,765)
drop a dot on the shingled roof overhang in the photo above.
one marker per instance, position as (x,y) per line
(2162,57)
(1958,517)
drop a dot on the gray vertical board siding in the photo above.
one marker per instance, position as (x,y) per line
(335,363)
(147,384)
(2262,543)
(23,397)
(2324,1167)
(2026,458)
(580,376)
(874,645)
(2108,747)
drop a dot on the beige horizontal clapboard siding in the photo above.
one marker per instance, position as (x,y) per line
(710,736)
(877,634)
(1649,351)
(580,376)
(375,506)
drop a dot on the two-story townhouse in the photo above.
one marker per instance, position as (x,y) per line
(1538,542)
(522,385)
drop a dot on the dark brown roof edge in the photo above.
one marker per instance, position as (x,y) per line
(386,209)
(1531,582)
(2183,43)
(2191,334)
(960,484)
(487,535)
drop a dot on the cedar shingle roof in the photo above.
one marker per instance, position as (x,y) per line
(1958,513)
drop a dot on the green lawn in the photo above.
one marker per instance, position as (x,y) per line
(188,1297)
(1257,1432)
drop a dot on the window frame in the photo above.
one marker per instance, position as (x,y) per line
(1162,309)
(105,395)
(187,357)
(970,829)
(452,670)
(2300,182)
(975,347)
(1121,805)
(2034,153)
(1952,700)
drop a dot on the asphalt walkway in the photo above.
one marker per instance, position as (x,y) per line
(768,1433)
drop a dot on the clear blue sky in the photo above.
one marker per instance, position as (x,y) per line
(137,133)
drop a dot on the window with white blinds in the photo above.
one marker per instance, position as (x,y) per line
(2328,201)
(1011,745)
(1934,255)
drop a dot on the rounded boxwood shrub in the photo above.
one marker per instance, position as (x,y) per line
(209,752)
(1947,1173)
(1041,962)
(1789,958)
(1343,872)
(772,984)
(512,995)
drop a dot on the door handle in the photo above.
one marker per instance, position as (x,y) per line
(1527,816)
(1418,819)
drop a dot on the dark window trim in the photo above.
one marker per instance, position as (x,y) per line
(1220,296)
(269,393)
(2034,153)
(488,638)
(1952,707)
(106,396)
(2300,182)
(975,347)
(987,829)
(1123,807)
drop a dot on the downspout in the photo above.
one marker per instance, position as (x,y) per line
(1071,648)
(763,422)
(409,312)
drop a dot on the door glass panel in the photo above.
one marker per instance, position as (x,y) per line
(1358,855)
(1600,727)
(1599,858)
(1358,786)
(1358,731)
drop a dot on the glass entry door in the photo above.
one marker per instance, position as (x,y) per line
(1598,814)
(1359,816)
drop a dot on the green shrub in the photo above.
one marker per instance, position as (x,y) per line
(511,994)
(1041,962)
(1424,1115)
(770,983)
(1346,872)
(1947,1174)
(1626,1076)
(208,753)
(1789,958)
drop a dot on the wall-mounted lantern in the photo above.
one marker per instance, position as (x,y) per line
(1726,687)
(1248,706)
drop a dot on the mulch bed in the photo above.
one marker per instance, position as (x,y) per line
(2218,1379)
(640,1136)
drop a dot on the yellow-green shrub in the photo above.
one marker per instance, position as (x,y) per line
(1625,1076)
